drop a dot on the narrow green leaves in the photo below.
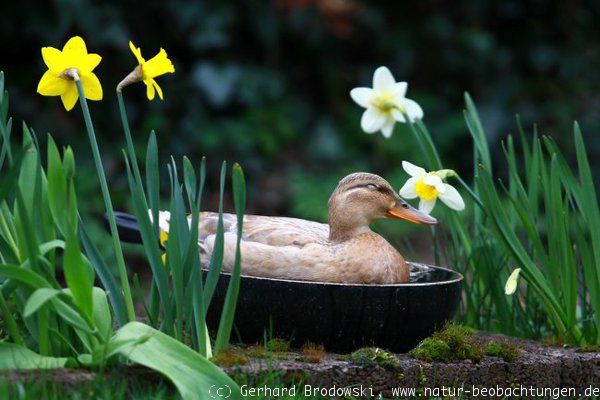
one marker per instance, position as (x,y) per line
(229,306)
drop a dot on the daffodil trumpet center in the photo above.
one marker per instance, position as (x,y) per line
(385,104)
(425,191)
(134,76)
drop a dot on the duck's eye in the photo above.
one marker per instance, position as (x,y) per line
(370,186)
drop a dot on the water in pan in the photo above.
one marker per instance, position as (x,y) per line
(421,273)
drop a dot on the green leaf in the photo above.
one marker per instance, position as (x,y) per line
(57,187)
(77,274)
(216,261)
(229,306)
(476,129)
(108,281)
(14,357)
(101,314)
(193,375)
(152,178)
(51,245)
(24,275)
(38,299)
(150,242)
(9,179)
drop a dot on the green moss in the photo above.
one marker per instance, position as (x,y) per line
(454,342)
(373,356)
(275,349)
(277,345)
(432,349)
(230,357)
(506,351)
(590,348)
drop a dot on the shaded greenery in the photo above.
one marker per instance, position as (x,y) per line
(266,83)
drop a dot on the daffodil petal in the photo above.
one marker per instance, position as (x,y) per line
(52,85)
(399,90)
(69,98)
(436,182)
(383,79)
(52,58)
(408,190)
(91,86)
(75,46)
(90,62)
(426,206)
(452,198)
(149,89)
(413,170)
(362,96)
(164,220)
(137,52)
(413,110)
(398,116)
(372,120)
(388,128)
(158,89)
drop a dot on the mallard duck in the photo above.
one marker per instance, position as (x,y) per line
(345,250)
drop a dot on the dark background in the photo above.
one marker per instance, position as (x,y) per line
(266,83)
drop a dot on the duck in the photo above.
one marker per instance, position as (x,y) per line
(344,250)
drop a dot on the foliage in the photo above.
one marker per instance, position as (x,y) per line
(374,356)
(42,235)
(532,221)
(267,82)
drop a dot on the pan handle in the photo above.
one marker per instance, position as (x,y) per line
(127,226)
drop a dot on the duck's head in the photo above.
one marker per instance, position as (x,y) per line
(361,198)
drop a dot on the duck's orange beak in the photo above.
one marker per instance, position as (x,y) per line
(402,210)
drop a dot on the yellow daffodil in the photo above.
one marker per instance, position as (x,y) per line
(512,281)
(146,71)
(429,186)
(65,67)
(385,103)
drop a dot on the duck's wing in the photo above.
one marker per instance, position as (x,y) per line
(272,231)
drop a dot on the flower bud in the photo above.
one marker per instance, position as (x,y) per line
(69,163)
(445,173)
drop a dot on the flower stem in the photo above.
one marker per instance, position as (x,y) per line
(130,148)
(107,202)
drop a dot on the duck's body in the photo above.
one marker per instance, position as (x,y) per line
(291,248)
(345,250)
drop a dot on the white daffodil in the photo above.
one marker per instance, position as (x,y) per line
(385,103)
(428,186)
(511,283)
